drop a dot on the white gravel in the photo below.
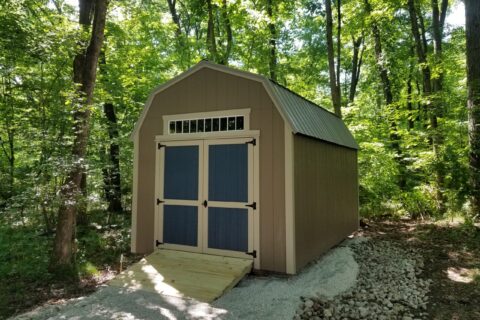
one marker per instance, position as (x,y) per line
(254,298)
(389,286)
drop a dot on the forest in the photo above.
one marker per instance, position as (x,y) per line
(403,75)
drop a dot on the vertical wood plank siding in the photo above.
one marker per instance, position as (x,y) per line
(210,90)
(326,196)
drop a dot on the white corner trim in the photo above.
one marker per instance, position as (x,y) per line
(133,235)
(291,267)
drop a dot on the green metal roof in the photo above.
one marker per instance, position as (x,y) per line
(311,120)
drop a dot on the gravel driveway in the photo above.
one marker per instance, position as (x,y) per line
(360,279)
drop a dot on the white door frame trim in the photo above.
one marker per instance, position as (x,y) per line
(255,192)
(159,188)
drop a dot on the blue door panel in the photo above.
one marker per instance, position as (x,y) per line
(180,225)
(228,172)
(181,173)
(228,229)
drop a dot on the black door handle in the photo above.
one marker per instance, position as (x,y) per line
(205,203)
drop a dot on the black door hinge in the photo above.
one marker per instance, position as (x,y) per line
(160,146)
(253,253)
(252,142)
(205,203)
(157,243)
(253,206)
(159,201)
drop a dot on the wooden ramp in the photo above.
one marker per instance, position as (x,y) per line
(184,274)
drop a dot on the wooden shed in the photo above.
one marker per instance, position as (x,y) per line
(231,163)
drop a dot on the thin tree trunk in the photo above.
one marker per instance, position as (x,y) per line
(472,25)
(339,40)
(272,43)
(428,90)
(10,150)
(175,17)
(10,155)
(114,182)
(211,41)
(85,68)
(388,95)
(356,66)
(82,218)
(228,30)
(410,121)
(334,88)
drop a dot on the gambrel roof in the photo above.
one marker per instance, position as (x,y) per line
(303,116)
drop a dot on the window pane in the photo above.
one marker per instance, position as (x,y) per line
(193,126)
(172,126)
(200,125)
(240,123)
(231,123)
(178,127)
(208,125)
(186,126)
(216,124)
(223,124)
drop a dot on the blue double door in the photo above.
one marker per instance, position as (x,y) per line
(205,196)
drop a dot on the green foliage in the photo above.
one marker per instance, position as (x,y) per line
(24,258)
(378,186)
(24,261)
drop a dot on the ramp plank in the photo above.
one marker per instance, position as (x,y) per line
(184,274)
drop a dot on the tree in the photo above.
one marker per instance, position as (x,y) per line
(113,188)
(334,74)
(381,62)
(472,25)
(213,53)
(272,43)
(357,60)
(432,86)
(84,74)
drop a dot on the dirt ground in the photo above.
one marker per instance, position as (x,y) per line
(451,254)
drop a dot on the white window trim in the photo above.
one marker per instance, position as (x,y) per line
(203,115)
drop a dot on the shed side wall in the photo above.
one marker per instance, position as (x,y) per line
(326,196)
(210,90)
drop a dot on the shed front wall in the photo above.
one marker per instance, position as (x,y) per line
(211,90)
(326,196)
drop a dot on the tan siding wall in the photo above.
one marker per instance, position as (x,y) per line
(209,90)
(326,196)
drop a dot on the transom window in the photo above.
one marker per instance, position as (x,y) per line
(212,124)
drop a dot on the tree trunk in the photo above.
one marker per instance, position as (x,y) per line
(85,69)
(334,87)
(472,25)
(82,218)
(339,40)
(388,95)
(175,17)
(228,30)
(113,187)
(428,90)
(410,121)
(211,40)
(272,43)
(356,67)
